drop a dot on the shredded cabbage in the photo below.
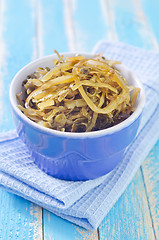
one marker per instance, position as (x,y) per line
(78,95)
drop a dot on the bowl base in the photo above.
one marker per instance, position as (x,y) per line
(74,167)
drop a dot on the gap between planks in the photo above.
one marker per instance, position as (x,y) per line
(148,203)
(37,53)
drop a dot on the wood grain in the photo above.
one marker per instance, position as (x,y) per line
(146,33)
(19,219)
(130,217)
(107,8)
(131,27)
(150,170)
(53,27)
(68,11)
(150,9)
(59,229)
(18,50)
(89,24)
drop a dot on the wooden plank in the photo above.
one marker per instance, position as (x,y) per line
(19,219)
(18,50)
(150,9)
(58,229)
(53,28)
(123,22)
(132,209)
(89,24)
(145,30)
(109,19)
(130,216)
(148,13)
(129,27)
(150,170)
(68,26)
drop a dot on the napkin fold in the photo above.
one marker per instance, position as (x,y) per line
(86,203)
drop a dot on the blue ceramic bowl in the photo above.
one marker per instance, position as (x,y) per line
(75,156)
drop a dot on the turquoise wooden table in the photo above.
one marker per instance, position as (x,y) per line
(30,29)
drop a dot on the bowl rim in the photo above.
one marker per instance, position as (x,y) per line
(92,134)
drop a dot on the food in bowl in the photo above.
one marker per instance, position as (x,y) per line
(78,94)
(76,156)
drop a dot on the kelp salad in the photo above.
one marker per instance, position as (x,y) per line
(78,94)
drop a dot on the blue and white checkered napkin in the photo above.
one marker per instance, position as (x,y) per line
(87,203)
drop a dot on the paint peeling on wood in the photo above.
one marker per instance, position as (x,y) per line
(130,217)
(37,39)
(108,14)
(15,221)
(69,8)
(145,29)
(36,212)
(150,169)
(82,234)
